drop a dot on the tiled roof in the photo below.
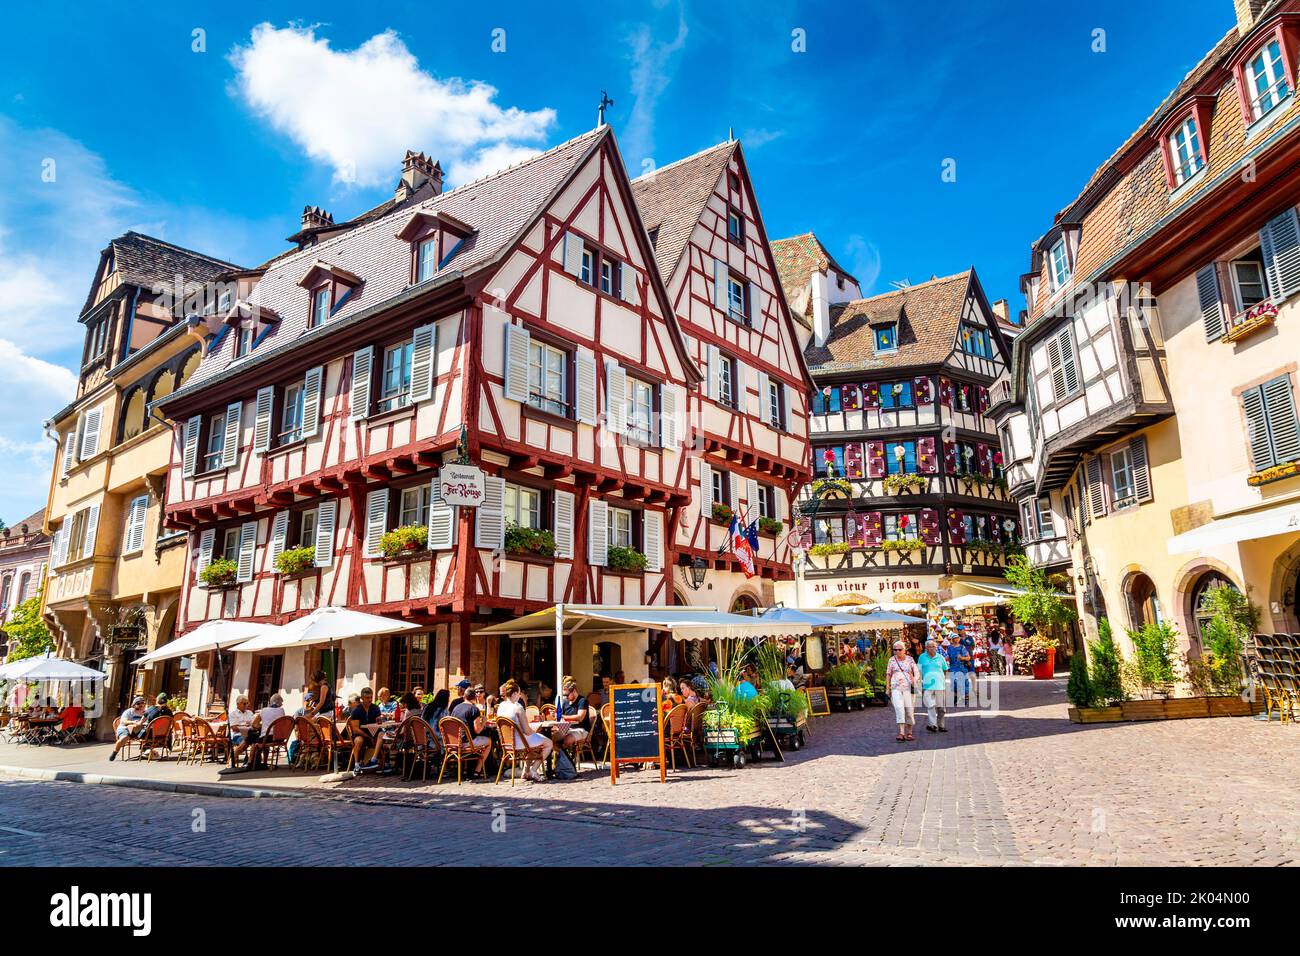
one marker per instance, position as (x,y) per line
(798,257)
(144,261)
(671,199)
(928,316)
(497,207)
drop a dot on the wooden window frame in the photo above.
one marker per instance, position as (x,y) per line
(314,319)
(528,409)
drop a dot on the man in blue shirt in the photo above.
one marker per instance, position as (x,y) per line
(933,685)
(960,661)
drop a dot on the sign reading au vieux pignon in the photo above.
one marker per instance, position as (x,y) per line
(462,485)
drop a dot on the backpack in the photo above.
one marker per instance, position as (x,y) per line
(564,768)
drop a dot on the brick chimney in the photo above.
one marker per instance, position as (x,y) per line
(418,169)
(1248,12)
(1002,309)
(313,217)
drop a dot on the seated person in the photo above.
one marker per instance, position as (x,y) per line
(131,724)
(438,708)
(409,704)
(687,690)
(240,720)
(158,708)
(363,715)
(671,697)
(469,713)
(387,703)
(262,721)
(306,710)
(574,712)
(748,685)
(512,706)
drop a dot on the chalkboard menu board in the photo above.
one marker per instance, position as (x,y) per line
(819,705)
(637,734)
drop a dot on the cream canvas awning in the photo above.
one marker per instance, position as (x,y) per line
(1280,519)
(683,623)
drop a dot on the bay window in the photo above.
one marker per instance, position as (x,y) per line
(1046,521)
(548,378)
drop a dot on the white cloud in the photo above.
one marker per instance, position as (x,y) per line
(359,110)
(864,262)
(30,389)
(653,66)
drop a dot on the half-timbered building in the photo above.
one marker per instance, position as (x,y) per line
(909,497)
(748,415)
(517,321)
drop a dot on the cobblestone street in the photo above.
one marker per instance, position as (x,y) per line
(1018,785)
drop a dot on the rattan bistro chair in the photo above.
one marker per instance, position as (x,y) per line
(417,743)
(678,734)
(157,736)
(272,742)
(507,731)
(310,745)
(458,744)
(589,743)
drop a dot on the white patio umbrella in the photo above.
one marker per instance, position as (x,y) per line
(974,600)
(840,623)
(211,636)
(48,668)
(326,625)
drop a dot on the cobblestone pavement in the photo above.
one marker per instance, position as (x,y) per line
(1015,784)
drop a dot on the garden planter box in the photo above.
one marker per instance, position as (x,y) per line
(1229,707)
(1047,669)
(1180,707)
(1096,715)
(847,698)
(1143,709)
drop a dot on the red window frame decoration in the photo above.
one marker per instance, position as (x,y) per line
(1199,108)
(1283,28)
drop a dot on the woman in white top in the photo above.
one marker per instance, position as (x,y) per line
(512,706)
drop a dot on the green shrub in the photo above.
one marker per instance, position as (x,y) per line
(219,572)
(1079,688)
(294,560)
(529,541)
(414,537)
(1155,648)
(847,674)
(1233,619)
(625,559)
(770,525)
(828,548)
(1107,686)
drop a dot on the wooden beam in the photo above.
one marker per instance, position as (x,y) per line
(555,472)
(523,462)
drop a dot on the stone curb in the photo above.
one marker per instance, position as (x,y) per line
(140,783)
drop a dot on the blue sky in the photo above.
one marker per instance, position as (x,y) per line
(219,148)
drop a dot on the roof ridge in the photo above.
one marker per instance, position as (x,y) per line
(937,280)
(178,248)
(685,159)
(599,130)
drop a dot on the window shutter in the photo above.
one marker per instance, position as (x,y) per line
(653,525)
(751,500)
(788,411)
(764,397)
(585,381)
(1137,456)
(230,445)
(597,533)
(627,284)
(92,526)
(615,398)
(706,489)
(956,527)
(753,299)
(853,461)
(207,540)
(247,550)
(311,383)
(57,541)
(1280,243)
(740,387)
(262,418)
(876,459)
(572,254)
(90,436)
(712,372)
(563,524)
(1058,371)
(442,519)
(733,487)
(376,520)
(69,450)
(1261,452)
(362,359)
(720,274)
(279,531)
(871,529)
(669,426)
(1096,487)
(930,534)
(927,460)
(326,518)
(423,347)
(135,524)
(518,344)
(1069,361)
(1279,405)
(1207,291)
(490,523)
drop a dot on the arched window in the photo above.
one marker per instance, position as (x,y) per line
(1200,614)
(188,368)
(23,584)
(743,603)
(133,415)
(1143,603)
(4,591)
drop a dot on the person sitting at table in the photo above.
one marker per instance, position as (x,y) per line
(512,706)
(130,724)
(473,717)
(671,697)
(387,703)
(687,690)
(363,716)
(409,704)
(576,715)
(262,721)
(439,708)
(306,710)
(158,708)
(324,696)
(241,719)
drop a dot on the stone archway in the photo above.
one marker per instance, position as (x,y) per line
(1141,599)
(1282,591)
(1187,583)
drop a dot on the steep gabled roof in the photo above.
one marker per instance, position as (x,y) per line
(672,198)
(497,207)
(928,316)
(144,261)
(798,257)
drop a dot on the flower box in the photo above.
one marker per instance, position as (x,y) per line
(1096,715)
(1247,323)
(1231,706)
(405,540)
(1177,708)
(1143,709)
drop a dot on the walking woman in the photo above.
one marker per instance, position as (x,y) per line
(903,677)
(1008,655)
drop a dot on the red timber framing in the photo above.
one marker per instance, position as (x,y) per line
(367,464)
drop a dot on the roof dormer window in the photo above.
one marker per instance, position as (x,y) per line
(1266,79)
(1185,151)
(434,238)
(886,337)
(321,298)
(1059,265)
(426,259)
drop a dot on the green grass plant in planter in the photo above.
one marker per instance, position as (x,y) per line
(828,548)
(529,541)
(770,526)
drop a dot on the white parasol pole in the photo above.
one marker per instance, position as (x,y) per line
(559,653)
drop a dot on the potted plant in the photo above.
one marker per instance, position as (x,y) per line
(1154,650)
(722,513)
(529,541)
(823,487)
(827,548)
(220,573)
(910,544)
(404,541)
(899,484)
(1078,689)
(625,559)
(770,526)
(1037,654)
(1037,604)
(847,686)
(1104,678)
(294,560)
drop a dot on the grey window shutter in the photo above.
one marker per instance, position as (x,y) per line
(90,436)
(326,520)
(615,397)
(207,540)
(653,525)
(669,425)
(1280,243)
(262,418)
(376,520)
(247,551)
(720,275)
(584,364)
(764,397)
(713,370)
(563,524)
(442,519)
(190,453)
(490,521)
(597,533)
(754,301)
(1279,404)
(423,345)
(1207,291)
(1096,488)
(572,253)
(279,532)
(1058,374)
(311,385)
(1069,360)
(69,450)
(518,346)
(362,360)
(1261,452)
(1137,456)
(230,446)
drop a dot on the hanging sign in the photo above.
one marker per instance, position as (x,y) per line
(461,485)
